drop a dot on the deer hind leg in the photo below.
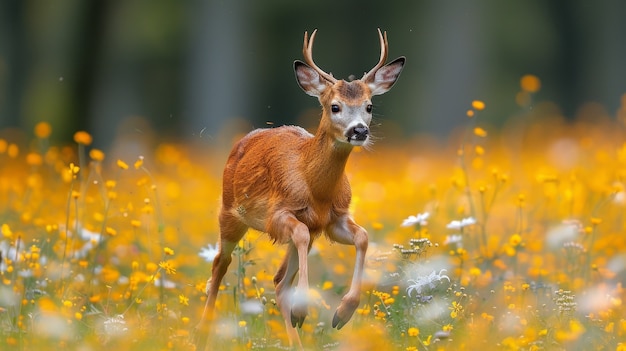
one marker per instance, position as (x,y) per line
(346,231)
(231,231)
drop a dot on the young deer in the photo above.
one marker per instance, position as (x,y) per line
(291,185)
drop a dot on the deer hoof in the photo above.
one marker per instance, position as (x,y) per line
(343,314)
(297,321)
(337,322)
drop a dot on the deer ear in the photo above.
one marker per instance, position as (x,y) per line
(386,76)
(308,79)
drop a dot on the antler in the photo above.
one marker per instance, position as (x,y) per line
(307,52)
(384,50)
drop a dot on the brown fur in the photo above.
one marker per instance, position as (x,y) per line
(352,92)
(265,175)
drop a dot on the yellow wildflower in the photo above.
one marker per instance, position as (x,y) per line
(96,155)
(413,331)
(475,272)
(167,266)
(13,151)
(43,130)
(455,309)
(6,231)
(111,231)
(487,317)
(83,138)
(363,311)
(34,159)
(478,131)
(151,267)
(515,240)
(596,221)
(74,169)
(478,105)
(530,83)
(122,165)
(139,162)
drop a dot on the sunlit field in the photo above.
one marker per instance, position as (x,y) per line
(495,239)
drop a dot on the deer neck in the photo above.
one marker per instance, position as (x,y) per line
(324,164)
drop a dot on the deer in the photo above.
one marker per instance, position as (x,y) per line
(292,185)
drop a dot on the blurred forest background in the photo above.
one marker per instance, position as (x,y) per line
(188,69)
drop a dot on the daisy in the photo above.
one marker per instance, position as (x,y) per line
(462,223)
(414,220)
(209,252)
(423,283)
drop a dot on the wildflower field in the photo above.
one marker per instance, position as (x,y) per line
(497,239)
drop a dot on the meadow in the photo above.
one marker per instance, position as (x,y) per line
(500,239)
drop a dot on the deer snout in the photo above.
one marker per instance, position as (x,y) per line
(358,133)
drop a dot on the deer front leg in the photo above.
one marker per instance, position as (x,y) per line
(282,281)
(293,306)
(346,231)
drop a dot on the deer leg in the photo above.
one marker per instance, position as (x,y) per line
(282,281)
(231,231)
(285,225)
(346,231)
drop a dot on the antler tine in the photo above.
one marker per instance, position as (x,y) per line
(384,51)
(307,52)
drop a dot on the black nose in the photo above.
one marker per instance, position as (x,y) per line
(360,132)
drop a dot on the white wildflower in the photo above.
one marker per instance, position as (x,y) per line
(51,325)
(619,198)
(25,273)
(419,219)
(88,235)
(8,251)
(166,283)
(423,283)
(462,223)
(253,307)
(115,326)
(569,230)
(90,241)
(209,252)
(453,239)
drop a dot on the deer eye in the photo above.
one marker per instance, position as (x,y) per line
(368,108)
(335,108)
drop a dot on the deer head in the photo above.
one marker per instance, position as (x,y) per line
(347,106)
